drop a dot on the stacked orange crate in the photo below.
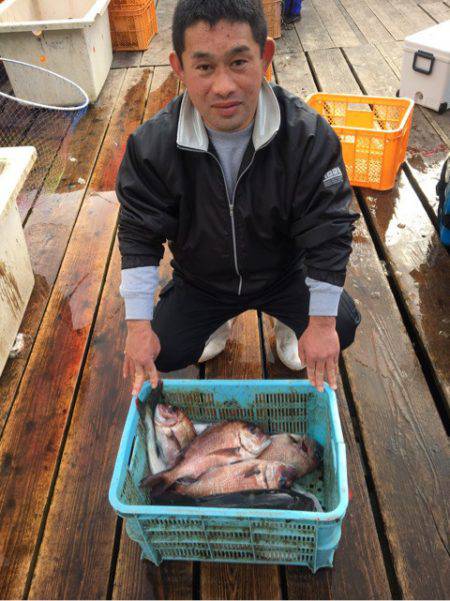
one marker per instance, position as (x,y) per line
(133,23)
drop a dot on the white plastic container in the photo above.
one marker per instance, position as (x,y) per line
(16,274)
(425,74)
(70,37)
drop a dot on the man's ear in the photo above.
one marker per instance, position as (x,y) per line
(269,51)
(176,65)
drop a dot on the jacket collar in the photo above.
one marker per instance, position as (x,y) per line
(192,133)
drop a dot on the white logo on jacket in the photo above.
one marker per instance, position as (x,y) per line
(332,177)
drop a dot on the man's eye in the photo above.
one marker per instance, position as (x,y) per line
(204,67)
(239,63)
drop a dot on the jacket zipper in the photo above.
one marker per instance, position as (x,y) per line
(231,209)
(231,203)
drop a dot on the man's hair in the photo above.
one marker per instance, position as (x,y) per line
(189,12)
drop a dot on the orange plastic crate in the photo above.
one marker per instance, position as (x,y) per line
(133,28)
(272,11)
(373,131)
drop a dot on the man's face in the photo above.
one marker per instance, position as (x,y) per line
(222,69)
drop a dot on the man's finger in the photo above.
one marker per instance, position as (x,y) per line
(310,371)
(128,367)
(320,370)
(139,378)
(331,367)
(153,374)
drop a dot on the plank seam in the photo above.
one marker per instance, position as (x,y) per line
(428,13)
(114,557)
(380,527)
(17,389)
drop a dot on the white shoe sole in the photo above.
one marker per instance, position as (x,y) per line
(287,347)
(216,343)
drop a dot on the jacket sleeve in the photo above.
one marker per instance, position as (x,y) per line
(322,223)
(146,216)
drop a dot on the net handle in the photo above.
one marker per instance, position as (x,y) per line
(46,106)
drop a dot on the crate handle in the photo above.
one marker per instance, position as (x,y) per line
(428,56)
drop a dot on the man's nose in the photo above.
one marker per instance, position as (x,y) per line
(223,84)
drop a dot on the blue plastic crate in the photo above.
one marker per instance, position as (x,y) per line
(239,535)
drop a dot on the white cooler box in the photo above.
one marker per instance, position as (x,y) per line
(70,37)
(426,67)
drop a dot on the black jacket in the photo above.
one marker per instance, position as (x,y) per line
(290,207)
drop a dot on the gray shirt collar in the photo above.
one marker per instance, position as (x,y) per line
(192,133)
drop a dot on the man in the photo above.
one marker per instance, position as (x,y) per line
(248,185)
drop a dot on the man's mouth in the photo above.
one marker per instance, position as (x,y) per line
(226,108)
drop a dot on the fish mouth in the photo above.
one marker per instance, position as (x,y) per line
(287,477)
(166,414)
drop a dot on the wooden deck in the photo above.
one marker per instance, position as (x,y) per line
(63,401)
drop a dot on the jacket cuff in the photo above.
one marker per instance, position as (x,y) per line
(138,290)
(324,298)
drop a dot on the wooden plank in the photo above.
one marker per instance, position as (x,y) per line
(124,60)
(48,229)
(403,435)
(134,578)
(366,20)
(291,67)
(358,570)
(415,15)
(140,579)
(240,360)
(339,30)
(333,72)
(439,11)
(311,30)
(396,23)
(31,442)
(161,45)
(426,149)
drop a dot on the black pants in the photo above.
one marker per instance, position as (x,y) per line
(186,316)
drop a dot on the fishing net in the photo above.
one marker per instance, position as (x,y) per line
(42,109)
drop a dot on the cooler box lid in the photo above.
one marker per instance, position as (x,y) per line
(435,39)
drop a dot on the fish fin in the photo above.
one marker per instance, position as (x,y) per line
(253,471)
(156,396)
(156,483)
(230,451)
(186,480)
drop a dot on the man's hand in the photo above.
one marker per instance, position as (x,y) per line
(141,349)
(318,348)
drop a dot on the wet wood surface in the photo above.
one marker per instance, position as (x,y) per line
(32,438)
(419,263)
(49,227)
(358,579)
(63,401)
(403,436)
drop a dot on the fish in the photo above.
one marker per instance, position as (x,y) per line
(173,430)
(302,452)
(248,499)
(145,409)
(252,474)
(220,444)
